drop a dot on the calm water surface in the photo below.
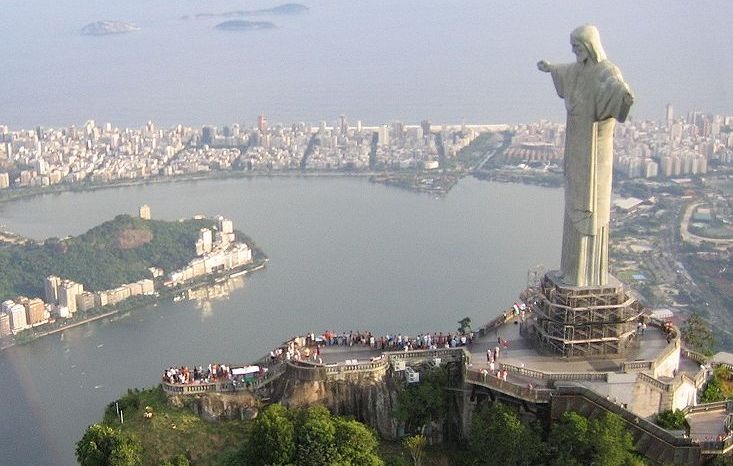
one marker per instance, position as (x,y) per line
(376,60)
(344,254)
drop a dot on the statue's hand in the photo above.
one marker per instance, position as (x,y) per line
(544,66)
(628,99)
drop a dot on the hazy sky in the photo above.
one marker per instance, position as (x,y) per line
(380,60)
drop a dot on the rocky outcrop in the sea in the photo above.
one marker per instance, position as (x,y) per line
(103,28)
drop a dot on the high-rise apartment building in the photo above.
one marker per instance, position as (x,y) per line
(51,286)
(68,291)
(145,212)
(4,324)
(18,321)
(208,134)
(35,310)
(262,124)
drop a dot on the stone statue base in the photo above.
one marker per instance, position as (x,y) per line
(584,321)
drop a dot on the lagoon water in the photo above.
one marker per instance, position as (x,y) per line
(344,254)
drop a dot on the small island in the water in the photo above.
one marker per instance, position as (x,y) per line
(287,9)
(104,28)
(241,25)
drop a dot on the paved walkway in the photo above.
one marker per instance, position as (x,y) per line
(708,425)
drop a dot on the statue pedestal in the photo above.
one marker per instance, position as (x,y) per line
(584,321)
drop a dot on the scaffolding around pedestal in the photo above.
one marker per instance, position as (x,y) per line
(584,321)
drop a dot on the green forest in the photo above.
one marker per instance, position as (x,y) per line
(115,252)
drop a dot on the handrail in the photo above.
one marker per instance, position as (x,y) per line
(695,356)
(632,366)
(726,405)
(433,353)
(536,395)
(666,387)
(552,376)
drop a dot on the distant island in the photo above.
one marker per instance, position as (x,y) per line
(105,28)
(285,9)
(288,9)
(241,25)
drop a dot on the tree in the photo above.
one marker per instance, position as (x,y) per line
(272,441)
(613,444)
(569,441)
(309,436)
(178,460)
(415,445)
(577,441)
(715,389)
(356,444)
(499,437)
(424,402)
(102,445)
(316,437)
(464,325)
(696,333)
(670,419)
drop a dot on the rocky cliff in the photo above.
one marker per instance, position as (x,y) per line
(219,406)
(369,397)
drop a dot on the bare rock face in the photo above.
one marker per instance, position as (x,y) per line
(220,406)
(131,238)
(370,398)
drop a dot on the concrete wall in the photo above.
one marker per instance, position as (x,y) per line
(668,365)
(685,395)
(647,400)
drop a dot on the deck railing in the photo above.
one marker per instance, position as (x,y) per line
(535,395)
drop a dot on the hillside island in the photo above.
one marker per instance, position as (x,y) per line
(122,264)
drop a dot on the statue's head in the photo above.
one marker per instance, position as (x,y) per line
(586,40)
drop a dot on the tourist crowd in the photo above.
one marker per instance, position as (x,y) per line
(394,342)
(185,375)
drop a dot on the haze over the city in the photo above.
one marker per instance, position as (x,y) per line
(377,61)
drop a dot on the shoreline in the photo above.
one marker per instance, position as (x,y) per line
(24,193)
(167,293)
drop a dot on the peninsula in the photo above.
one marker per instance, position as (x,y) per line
(105,28)
(119,265)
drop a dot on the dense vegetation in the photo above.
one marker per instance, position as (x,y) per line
(719,387)
(307,437)
(697,335)
(672,419)
(313,436)
(176,436)
(115,252)
(498,436)
(424,403)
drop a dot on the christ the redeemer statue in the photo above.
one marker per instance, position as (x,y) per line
(595,97)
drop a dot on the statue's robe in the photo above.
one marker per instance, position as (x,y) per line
(594,98)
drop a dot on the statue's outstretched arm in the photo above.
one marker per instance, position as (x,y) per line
(544,66)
